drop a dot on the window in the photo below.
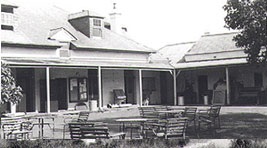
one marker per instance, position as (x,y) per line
(258,81)
(97,22)
(149,83)
(7,27)
(78,89)
(97,32)
(7,9)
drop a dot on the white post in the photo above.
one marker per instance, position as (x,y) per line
(13,108)
(174,88)
(227,85)
(140,88)
(99,87)
(48,89)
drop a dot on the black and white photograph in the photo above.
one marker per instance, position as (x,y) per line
(133,73)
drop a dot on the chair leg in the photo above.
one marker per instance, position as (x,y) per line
(64,128)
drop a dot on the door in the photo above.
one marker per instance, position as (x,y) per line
(129,86)
(61,87)
(58,94)
(202,87)
(25,79)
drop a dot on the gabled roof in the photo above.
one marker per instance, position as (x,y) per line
(214,43)
(35,23)
(213,50)
(175,52)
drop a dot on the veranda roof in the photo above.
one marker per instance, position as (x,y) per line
(37,62)
(201,64)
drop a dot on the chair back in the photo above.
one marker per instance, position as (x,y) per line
(81,106)
(75,131)
(190,113)
(176,127)
(94,132)
(83,116)
(119,96)
(148,112)
(214,111)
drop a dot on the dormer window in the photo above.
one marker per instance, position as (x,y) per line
(97,22)
(97,28)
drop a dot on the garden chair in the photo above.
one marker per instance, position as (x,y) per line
(119,96)
(17,130)
(80,106)
(190,113)
(171,128)
(209,116)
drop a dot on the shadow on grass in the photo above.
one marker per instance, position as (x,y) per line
(233,126)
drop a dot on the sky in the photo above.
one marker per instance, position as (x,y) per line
(156,23)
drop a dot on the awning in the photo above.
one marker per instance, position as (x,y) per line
(214,63)
(57,62)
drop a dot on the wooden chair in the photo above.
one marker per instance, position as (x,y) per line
(81,106)
(151,114)
(98,133)
(119,96)
(190,113)
(171,128)
(17,130)
(209,116)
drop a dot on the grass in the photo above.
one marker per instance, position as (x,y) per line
(152,143)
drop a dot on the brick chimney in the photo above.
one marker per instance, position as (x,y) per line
(115,21)
(87,22)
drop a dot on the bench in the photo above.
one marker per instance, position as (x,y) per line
(252,93)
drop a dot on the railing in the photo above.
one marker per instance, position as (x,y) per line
(9,19)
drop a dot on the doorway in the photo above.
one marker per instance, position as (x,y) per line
(202,87)
(25,79)
(129,82)
(58,95)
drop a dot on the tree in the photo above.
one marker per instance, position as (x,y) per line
(249,17)
(10,92)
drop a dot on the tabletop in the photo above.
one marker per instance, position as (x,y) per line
(132,120)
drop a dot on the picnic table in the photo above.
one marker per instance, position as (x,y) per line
(131,122)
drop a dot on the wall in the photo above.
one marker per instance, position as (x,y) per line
(111,79)
(27,52)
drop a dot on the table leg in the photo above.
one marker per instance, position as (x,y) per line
(42,119)
(39,127)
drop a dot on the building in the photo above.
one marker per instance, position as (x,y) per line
(61,59)
(214,62)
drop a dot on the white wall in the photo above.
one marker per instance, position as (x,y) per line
(111,79)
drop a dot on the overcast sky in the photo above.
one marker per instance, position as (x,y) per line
(156,23)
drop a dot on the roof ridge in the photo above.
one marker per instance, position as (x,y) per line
(180,43)
(131,40)
(218,34)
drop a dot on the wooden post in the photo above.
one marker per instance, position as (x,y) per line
(99,87)
(48,89)
(174,88)
(227,85)
(140,88)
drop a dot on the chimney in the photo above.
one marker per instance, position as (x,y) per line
(87,22)
(115,20)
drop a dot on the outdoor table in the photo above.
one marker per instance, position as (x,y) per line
(41,122)
(171,112)
(130,121)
